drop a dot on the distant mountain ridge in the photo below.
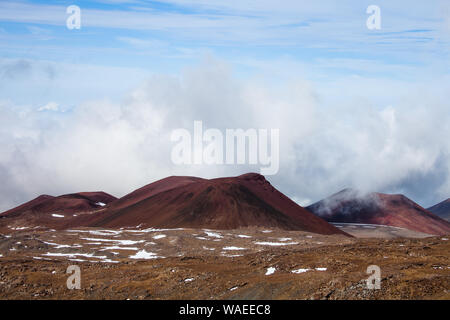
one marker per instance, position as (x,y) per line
(68,203)
(351,206)
(442,209)
(248,200)
(223,203)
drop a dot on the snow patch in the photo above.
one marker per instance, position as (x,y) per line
(231,255)
(73,255)
(60,246)
(18,228)
(213,234)
(270,270)
(122,242)
(145,255)
(104,232)
(119,248)
(153,230)
(109,261)
(300,270)
(275,244)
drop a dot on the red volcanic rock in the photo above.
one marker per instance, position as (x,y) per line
(65,204)
(350,206)
(223,203)
(442,209)
(27,206)
(152,189)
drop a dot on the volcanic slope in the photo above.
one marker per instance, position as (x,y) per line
(225,203)
(442,209)
(48,211)
(351,206)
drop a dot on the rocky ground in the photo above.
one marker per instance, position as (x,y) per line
(359,230)
(211,264)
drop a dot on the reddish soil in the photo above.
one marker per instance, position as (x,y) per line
(348,206)
(258,244)
(224,203)
(52,211)
(69,203)
(175,202)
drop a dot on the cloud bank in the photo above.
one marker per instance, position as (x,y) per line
(324,146)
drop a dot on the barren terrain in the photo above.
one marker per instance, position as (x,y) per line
(251,263)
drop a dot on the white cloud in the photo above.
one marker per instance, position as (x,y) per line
(68,83)
(117,147)
(142,43)
(51,106)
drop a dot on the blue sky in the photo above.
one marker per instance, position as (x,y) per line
(173,32)
(324,41)
(316,59)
